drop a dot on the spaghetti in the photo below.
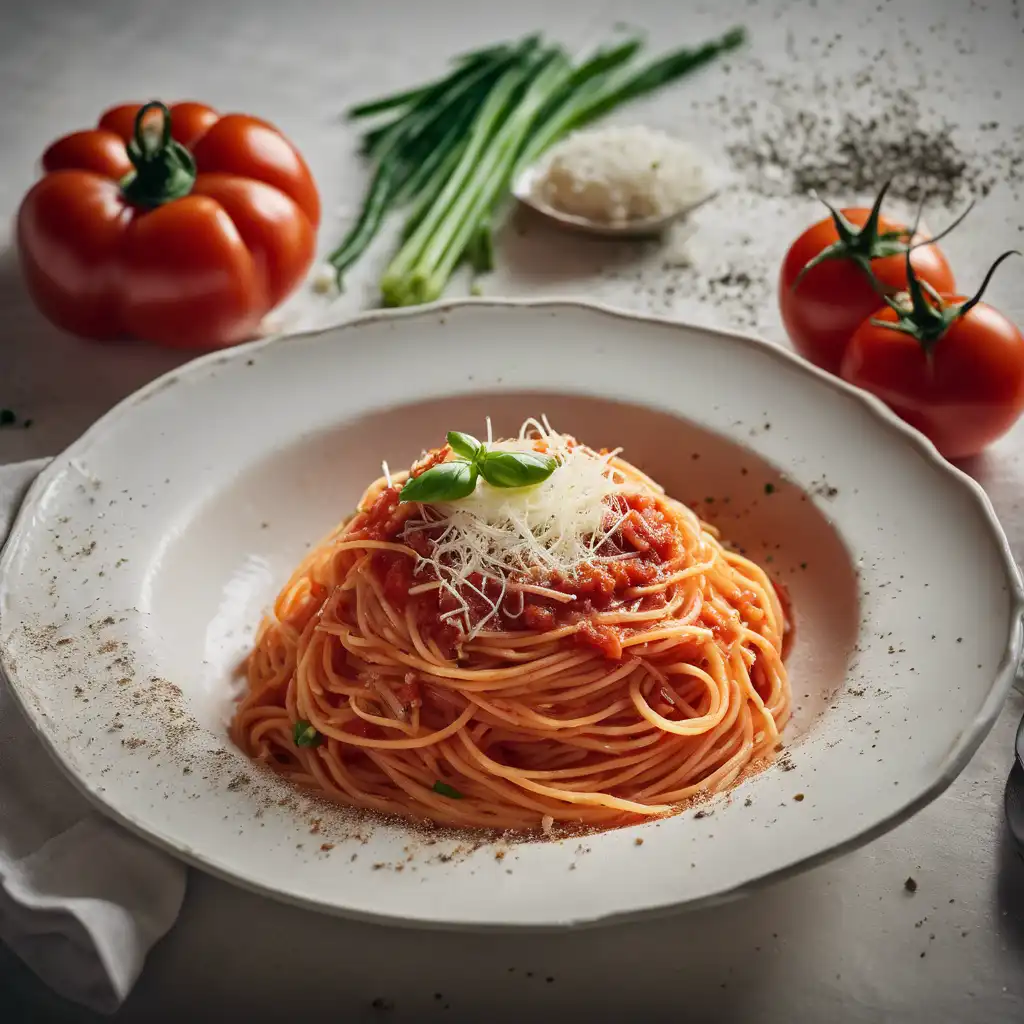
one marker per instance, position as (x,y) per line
(597,659)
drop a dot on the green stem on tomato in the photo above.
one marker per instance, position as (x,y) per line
(163,169)
(929,314)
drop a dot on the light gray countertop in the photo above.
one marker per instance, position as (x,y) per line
(844,942)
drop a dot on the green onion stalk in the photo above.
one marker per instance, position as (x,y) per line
(451,148)
(421,269)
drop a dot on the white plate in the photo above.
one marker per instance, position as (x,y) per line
(144,554)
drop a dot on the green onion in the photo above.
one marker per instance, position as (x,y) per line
(437,109)
(423,265)
(395,280)
(305,735)
(416,144)
(465,66)
(445,151)
(600,64)
(450,149)
(480,251)
(445,790)
(434,108)
(398,99)
(604,93)
(490,51)
(432,189)
(370,219)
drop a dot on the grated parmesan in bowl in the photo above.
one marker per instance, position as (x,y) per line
(621,175)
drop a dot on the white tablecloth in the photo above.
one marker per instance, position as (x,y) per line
(844,942)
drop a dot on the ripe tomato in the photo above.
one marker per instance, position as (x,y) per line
(822,309)
(953,370)
(179,226)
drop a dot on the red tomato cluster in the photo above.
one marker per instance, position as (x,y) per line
(875,302)
(177,225)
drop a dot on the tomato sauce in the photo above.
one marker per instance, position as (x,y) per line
(645,547)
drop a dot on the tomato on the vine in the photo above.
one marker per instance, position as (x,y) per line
(950,366)
(826,289)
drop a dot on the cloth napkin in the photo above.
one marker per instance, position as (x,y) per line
(82,901)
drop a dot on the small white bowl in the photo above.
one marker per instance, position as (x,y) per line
(525,190)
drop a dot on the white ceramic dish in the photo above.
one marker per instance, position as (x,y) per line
(144,554)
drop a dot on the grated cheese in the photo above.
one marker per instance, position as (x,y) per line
(511,536)
(621,174)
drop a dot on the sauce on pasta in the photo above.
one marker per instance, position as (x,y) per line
(412,669)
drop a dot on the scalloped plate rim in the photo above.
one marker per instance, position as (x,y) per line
(957,757)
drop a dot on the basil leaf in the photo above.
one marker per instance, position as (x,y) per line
(465,445)
(445,790)
(516,469)
(305,735)
(446,482)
